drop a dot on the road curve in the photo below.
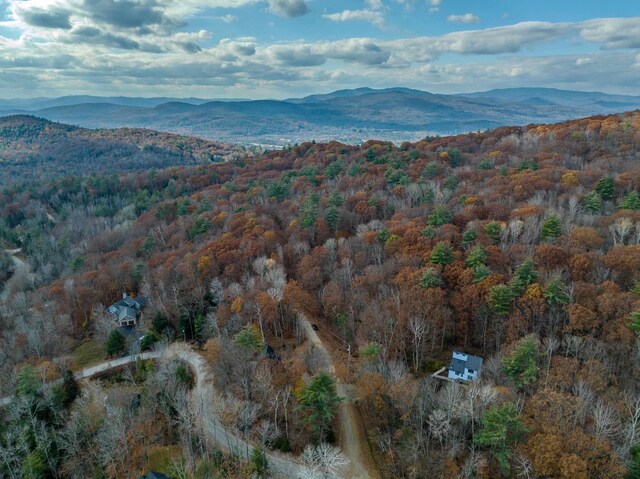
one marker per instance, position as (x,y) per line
(283,465)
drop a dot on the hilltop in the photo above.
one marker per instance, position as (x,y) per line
(38,149)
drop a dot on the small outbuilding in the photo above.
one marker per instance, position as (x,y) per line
(464,367)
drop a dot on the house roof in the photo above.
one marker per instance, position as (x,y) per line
(141,299)
(126,312)
(472,362)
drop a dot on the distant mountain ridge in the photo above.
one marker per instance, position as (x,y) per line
(351,116)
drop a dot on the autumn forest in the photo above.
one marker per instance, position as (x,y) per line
(519,245)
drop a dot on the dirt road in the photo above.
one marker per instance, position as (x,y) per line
(352,437)
(285,466)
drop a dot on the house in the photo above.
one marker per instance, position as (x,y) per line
(464,366)
(127,310)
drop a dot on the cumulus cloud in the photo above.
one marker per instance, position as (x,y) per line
(99,49)
(466,18)
(374,17)
(288,8)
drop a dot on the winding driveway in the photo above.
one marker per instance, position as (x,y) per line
(281,464)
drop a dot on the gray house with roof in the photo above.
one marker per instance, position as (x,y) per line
(127,310)
(464,367)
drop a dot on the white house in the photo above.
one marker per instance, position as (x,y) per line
(464,367)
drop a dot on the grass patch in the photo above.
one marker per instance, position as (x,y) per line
(86,354)
(161,458)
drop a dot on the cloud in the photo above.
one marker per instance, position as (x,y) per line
(612,33)
(372,16)
(101,55)
(374,4)
(55,18)
(584,61)
(128,13)
(466,18)
(228,18)
(288,8)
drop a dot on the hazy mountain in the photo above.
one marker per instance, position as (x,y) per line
(554,96)
(34,104)
(396,114)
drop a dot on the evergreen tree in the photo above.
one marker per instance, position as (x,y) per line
(631,201)
(319,401)
(522,365)
(525,274)
(469,236)
(116,344)
(309,210)
(477,257)
(493,231)
(27,381)
(430,279)
(606,188)
(593,202)
(332,217)
(480,273)
(551,228)
(500,299)
(250,338)
(70,389)
(259,462)
(555,292)
(501,430)
(442,254)
(440,216)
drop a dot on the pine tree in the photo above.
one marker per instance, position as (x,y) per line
(493,230)
(480,273)
(469,236)
(440,216)
(593,202)
(551,228)
(442,254)
(430,279)
(477,257)
(525,274)
(522,365)
(500,299)
(631,201)
(555,292)
(319,401)
(116,344)
(501,430)
(606,188)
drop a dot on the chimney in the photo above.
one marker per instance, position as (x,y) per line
(124,295)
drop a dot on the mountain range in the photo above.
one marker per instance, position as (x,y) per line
(350,116)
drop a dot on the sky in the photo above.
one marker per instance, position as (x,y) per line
(292,48)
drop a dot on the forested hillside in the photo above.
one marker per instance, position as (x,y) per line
(520,245)
(37,149)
